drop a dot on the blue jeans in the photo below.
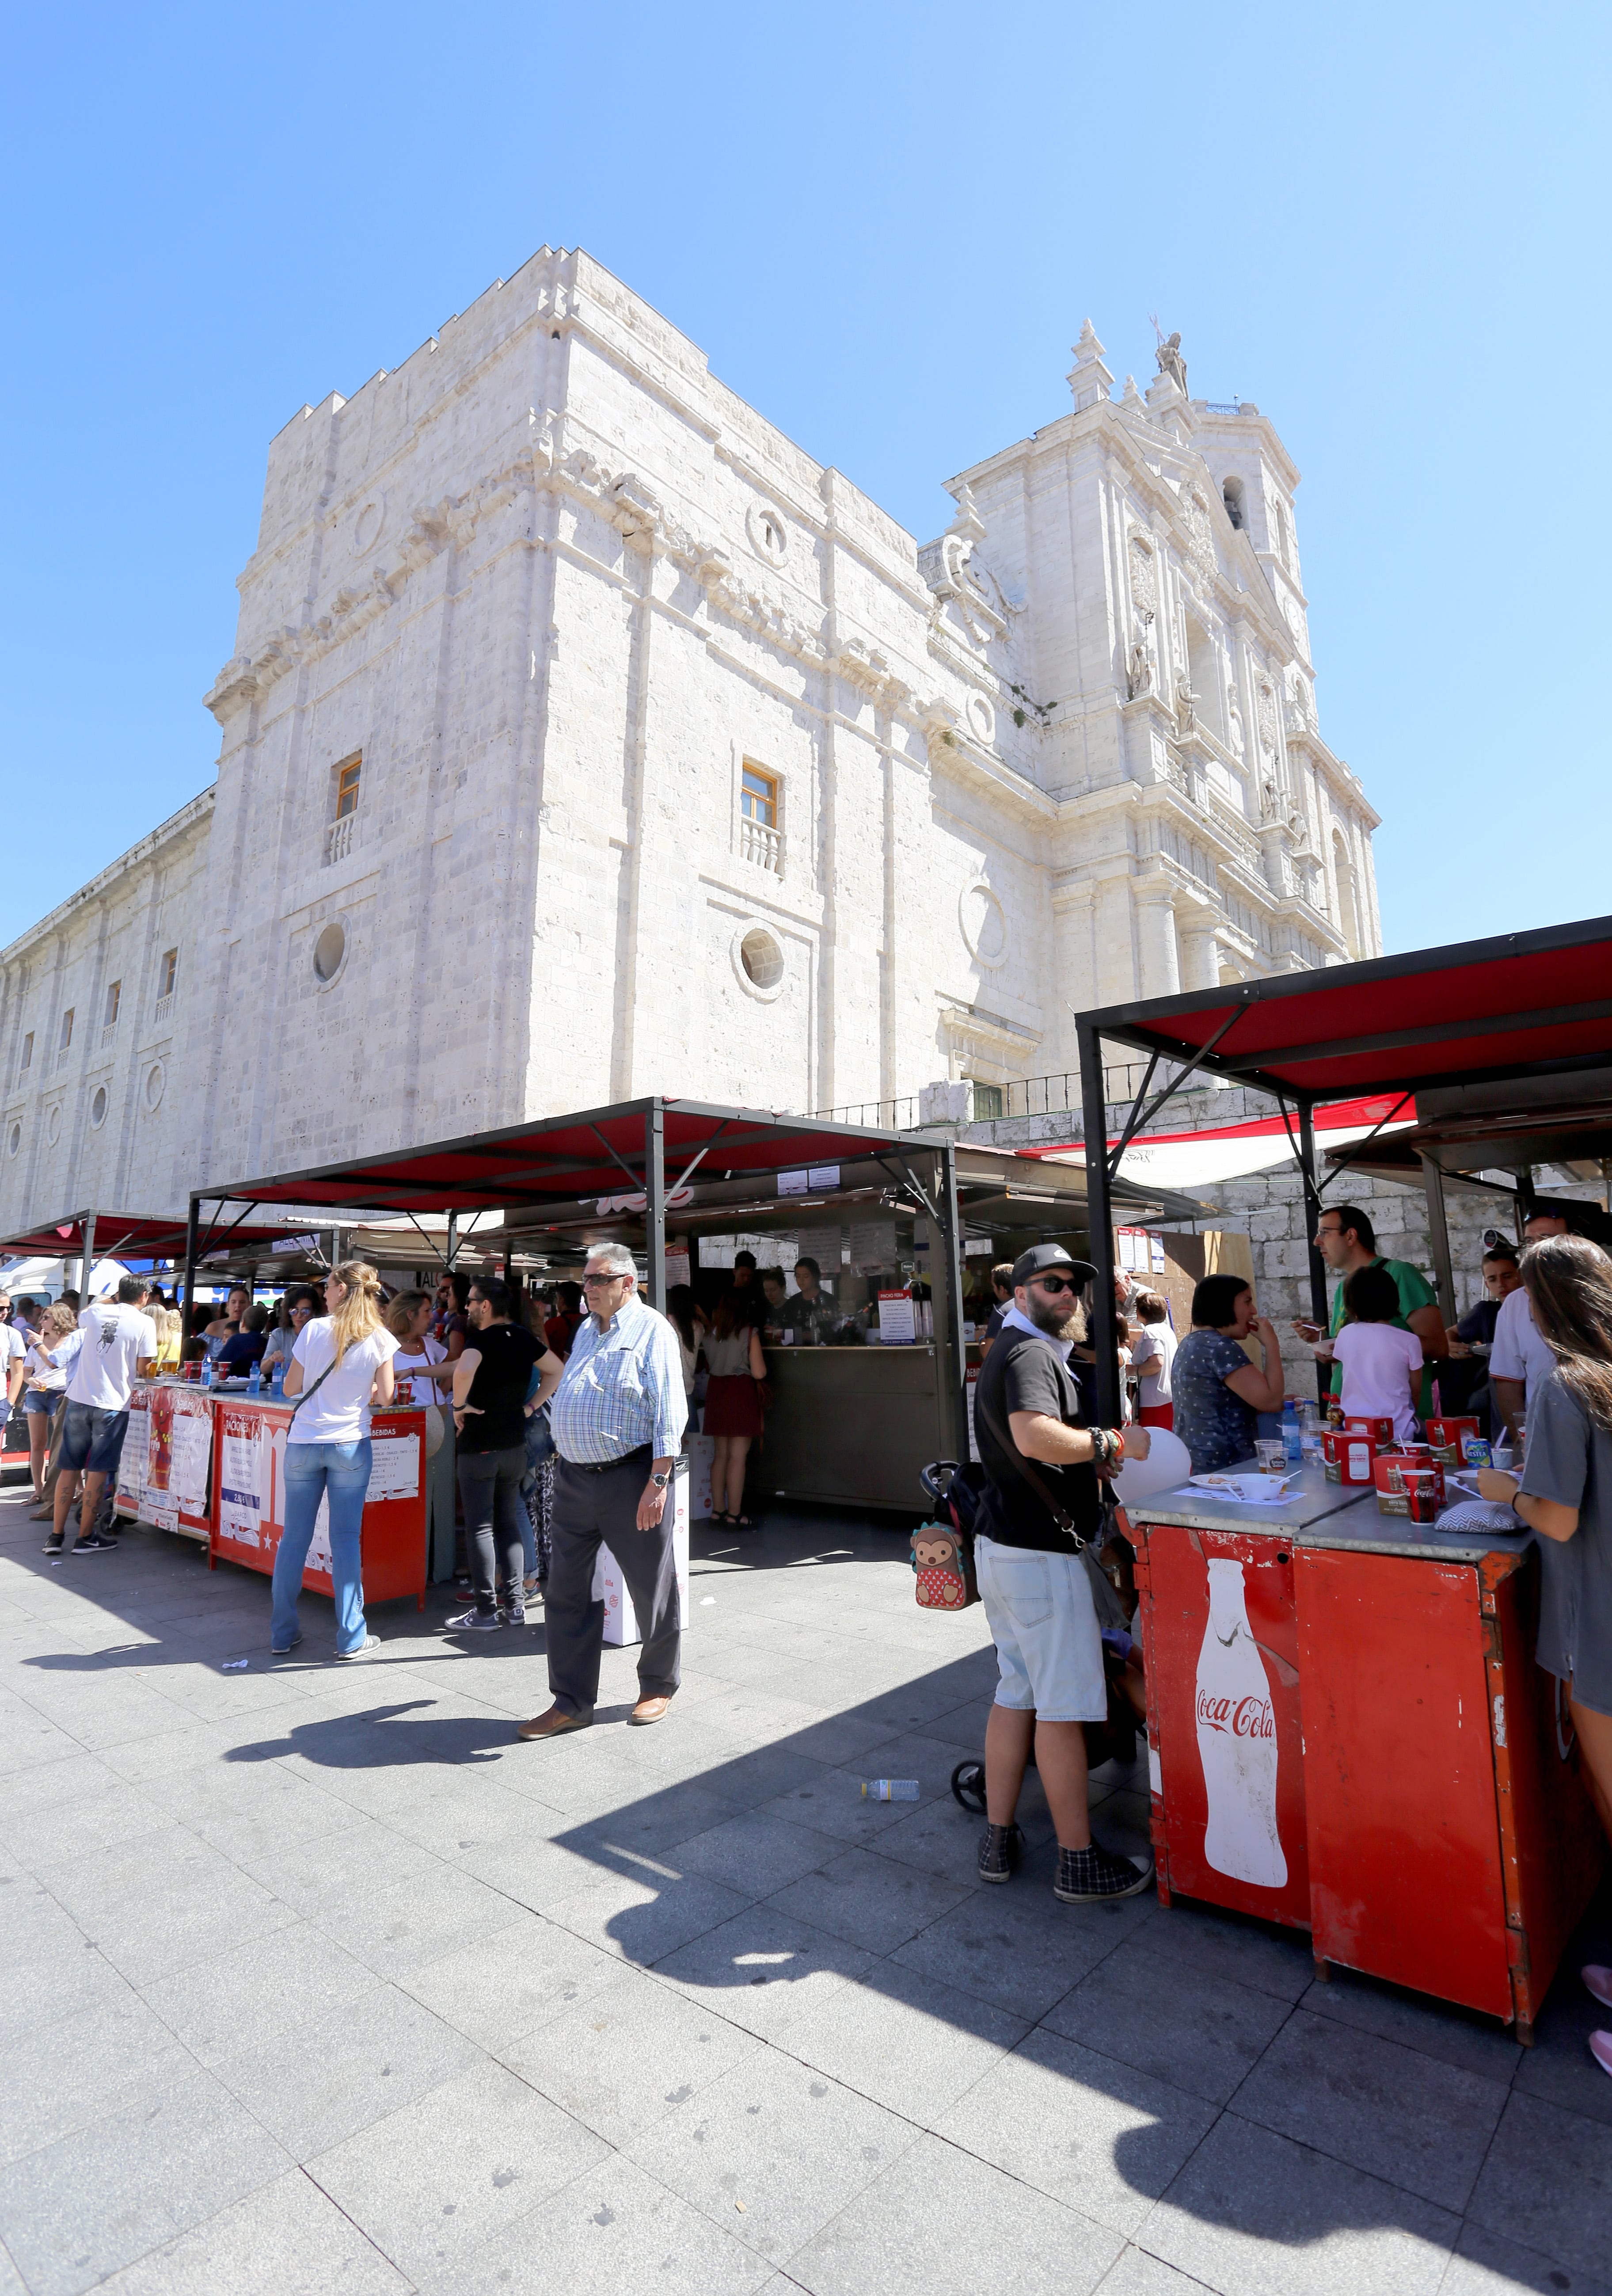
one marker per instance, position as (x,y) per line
(313,1471)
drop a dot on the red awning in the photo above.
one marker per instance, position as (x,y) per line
(124,1235)
(601,1154)
(1526,1005)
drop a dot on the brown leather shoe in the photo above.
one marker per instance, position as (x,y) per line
(650,1710)
(552,1724)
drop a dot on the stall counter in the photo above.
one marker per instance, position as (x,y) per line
(165,1475)
(249,1497)
(850,1424)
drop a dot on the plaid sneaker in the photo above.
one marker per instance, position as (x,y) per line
(999,1853)
(1084,1876)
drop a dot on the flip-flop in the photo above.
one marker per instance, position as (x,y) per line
(1598,1980)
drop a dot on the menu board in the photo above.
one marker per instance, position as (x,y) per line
(165,1473)
(897,1327)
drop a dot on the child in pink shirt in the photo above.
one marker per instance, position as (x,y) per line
(1381,1362)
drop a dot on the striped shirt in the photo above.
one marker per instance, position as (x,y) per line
(621,1388)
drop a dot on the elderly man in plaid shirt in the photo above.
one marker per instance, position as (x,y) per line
(617,1418)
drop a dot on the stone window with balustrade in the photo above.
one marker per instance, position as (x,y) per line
(761,817)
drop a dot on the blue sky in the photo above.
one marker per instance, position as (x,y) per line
(884,225)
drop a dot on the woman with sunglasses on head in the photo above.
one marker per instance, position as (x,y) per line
(1218,1393)
(1565,1494)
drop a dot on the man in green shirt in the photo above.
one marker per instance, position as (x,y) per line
(1346,1240)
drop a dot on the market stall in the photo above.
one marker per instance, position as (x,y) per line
(895,1219)
(1448,1837)
(165,1475)
(1347,1734)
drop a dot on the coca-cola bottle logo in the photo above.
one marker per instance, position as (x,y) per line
(1241,1718)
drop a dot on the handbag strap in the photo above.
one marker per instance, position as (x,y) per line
(310,1392)
(1026,1473)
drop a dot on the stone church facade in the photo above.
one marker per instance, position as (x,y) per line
(584,738)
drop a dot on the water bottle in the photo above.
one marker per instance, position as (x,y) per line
(254,1379)
(207,1373)
(889,1789)
(1309,1429)
(277,1379)
(1292,1434)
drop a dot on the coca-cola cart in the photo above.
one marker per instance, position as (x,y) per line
(1347,1733)
(1220,1639)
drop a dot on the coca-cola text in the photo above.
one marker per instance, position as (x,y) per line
(1244,1718)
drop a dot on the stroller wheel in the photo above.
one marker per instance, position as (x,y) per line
(968,1785)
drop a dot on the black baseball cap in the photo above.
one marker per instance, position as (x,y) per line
(1042,1258)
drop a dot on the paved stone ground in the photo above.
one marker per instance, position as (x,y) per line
(313,1978)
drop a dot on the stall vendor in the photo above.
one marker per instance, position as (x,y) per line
(808,1314)
(1346,1240)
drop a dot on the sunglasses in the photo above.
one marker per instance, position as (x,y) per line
(599,1280)
(1055,1283)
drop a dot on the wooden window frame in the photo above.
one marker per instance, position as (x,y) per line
(349,776)
(171,971)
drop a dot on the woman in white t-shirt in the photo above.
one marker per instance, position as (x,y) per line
(46,1385)
(1381,1361)
(340,1364)
(422,1358)
(1150,1360)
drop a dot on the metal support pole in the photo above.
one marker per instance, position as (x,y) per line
(1100,1220)
(946,1292)
(89,1259)
(1311,1184)
(1439,1236)
(190,1268)
(654,1201)
(453,1242)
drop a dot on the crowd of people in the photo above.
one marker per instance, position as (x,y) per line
(568,1414)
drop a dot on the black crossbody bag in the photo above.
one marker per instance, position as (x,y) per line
(1027,1474)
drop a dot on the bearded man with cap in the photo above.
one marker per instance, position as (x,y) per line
(1041,1504)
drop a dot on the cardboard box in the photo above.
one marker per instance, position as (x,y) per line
(609,1588)
(1347,1455)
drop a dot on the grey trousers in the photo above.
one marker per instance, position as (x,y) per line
(591,1511)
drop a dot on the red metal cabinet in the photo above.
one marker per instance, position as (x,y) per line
(1452,1845)
(1236,1732)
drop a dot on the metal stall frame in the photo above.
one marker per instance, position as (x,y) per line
(590,1153)
(1508,1011)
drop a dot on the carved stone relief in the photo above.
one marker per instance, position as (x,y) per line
(1144,578)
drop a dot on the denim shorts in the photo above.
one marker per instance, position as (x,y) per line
(92,1438)
(1044,1622)
(41,1399)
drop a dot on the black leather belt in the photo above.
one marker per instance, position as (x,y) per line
(642,1456)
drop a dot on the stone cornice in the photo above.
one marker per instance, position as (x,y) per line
(166,832)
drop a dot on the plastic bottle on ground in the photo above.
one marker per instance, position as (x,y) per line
(890,1788)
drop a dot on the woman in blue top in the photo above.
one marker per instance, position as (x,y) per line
(1218,1391)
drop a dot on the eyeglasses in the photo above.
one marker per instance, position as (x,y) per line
(1055,1283)
(598,1282)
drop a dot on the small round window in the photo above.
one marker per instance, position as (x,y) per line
(329,950)
(155,1078)
(52,1126)
(98,1107)
(761,958)
(13,1140)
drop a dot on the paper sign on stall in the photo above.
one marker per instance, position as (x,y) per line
(243,1472)
(192,1453)
(676,1267)
(394,1467)
(897,1327)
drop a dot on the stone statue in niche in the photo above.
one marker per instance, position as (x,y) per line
(1270,800)
(1139,670)
(1186,705)
(1235,734)
(1171,362)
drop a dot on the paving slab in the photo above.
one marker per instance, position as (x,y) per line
(323,2079)
(627,2056)
(63,2076)
(1394,2112)
(242,1997)
(1547,2183)
(1252,2214)
(1015,1944)
(773,2151)
(612,2229)
(1205,2034)
(925,2225)
(1102,2138)
(1485,2264)
(450,2171)
(1137,2274)
(1457,2037)
(871,1901)
(285,2236)
(647,1910)
(77,2209)
(506,1985)
(764,1969)
(903,2040)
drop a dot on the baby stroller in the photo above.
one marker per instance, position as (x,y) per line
(955,1491)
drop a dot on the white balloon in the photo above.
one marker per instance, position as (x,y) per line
(1167,1464)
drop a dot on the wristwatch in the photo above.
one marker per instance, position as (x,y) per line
(661,1481)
